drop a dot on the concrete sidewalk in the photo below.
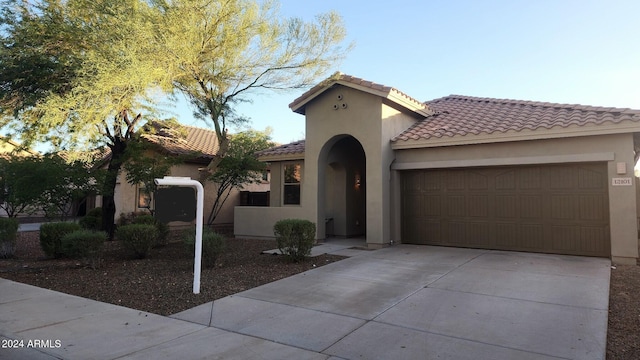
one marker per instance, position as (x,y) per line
(403,302)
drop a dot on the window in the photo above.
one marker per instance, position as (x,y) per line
(292,178)
(144,197)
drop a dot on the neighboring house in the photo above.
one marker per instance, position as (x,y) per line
(456,171)
(9,147)
(198,146)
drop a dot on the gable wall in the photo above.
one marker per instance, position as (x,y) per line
(373,123)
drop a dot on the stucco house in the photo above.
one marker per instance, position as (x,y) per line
(198,146)
(456,171)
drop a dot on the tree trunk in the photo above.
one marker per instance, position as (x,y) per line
(109,187)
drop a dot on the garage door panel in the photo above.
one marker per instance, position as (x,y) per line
(478,234)
(591,179)
(478,205)
(506,180)
(542,208)
(530,178)
(592,207)
(563,207)
(506,206)
(454,180)
(531,207)
(432,205)
(456,206)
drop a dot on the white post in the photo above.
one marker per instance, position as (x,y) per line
(186,181)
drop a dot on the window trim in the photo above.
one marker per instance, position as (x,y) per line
(285,184)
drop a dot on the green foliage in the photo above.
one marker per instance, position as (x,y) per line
(97,212)
(239,166)
(48,183)
(92,220)
(8,234)
(97,59)
(51,235)
(213,245)
(22,181)
(137,238)
(65,183)
(84,244)
(295,237)
(144,162)
(147,219)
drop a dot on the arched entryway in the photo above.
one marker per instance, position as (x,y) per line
(344,192)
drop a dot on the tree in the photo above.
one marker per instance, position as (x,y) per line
(240,166)
(99,66)
(220,52)
(64,183)
(21,183)
(80,73)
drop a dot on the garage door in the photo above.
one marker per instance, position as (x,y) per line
(562,209)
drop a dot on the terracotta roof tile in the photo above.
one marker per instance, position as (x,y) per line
(202,142)
(458,115)
(286,149)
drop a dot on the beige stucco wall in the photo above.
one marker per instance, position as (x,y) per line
(612,149)
(369,119)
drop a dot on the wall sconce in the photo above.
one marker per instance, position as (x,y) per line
(357,181)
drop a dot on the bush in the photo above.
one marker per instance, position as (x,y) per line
(51,235)
(137,238)
(162,228)
(295,237)
(213,245)
(93,219)
(8,235)
(84,244)
(95,212)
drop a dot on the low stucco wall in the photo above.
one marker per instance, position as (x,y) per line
(258,221)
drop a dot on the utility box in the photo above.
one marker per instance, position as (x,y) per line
(175,204)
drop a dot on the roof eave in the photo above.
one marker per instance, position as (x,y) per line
(299,104)
(282,157)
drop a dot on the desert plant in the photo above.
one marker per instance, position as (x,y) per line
(93,219)
(163,229)
(51,235)
(8,234)
(295,237)
(84,244)
(137,238)
(213,245)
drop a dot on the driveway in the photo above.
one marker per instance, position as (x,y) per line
(402,302)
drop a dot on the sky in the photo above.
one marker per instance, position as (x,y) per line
(563,51)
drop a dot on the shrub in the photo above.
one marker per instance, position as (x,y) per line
(213,245)
(84,244)
(129,218)
(8,235)
(295,237)
(137,238)
(162,228)
(51,235)
(93,219)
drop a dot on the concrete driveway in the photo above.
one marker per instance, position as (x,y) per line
(403,302)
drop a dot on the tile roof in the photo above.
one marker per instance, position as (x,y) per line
(184,140)
(458,115)
(381,90)
(200,143)
(286,149)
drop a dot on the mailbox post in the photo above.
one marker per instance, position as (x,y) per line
(186,181)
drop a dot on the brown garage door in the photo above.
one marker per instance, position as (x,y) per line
(562,209)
